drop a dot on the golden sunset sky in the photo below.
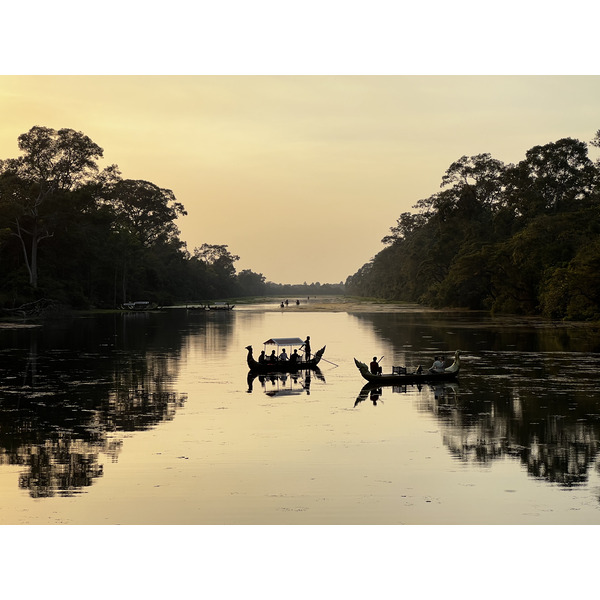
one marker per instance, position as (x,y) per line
(301,176)
(297,138)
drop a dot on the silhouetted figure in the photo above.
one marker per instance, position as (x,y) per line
(283,357)
(294,357)
(272,357)
(374,367)
(262,359)
(306,347)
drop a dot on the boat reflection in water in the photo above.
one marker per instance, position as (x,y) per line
(373,392)
(285,384)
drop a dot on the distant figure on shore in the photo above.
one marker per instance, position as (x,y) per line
(282,304)
(286,302)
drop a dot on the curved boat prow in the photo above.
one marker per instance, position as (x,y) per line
(455,366)
(319,355)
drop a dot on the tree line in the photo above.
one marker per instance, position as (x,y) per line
(87,237)
(516,238)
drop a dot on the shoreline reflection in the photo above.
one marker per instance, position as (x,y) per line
(62,407)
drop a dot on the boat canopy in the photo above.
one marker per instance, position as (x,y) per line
(291,341)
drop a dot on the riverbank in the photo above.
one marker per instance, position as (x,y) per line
(333,303)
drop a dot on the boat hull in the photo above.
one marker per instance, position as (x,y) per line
(449,374)
(283,367)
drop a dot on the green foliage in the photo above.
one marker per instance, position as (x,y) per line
(85,237)
(520,238)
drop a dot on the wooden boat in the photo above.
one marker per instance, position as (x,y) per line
(288,366)
(401,377)
(138,306)
(219,306)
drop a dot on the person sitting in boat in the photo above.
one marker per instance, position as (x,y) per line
(283,357)
(294,357)
(438,365)
(374,366)
(272,357)
(262,359)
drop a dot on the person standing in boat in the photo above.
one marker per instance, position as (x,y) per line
(283,357)
(306,347)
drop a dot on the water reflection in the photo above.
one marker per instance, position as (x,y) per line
(67,390)
(285,384)
(555,437)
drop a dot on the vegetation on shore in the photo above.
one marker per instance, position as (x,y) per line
(74,235)
(519,238)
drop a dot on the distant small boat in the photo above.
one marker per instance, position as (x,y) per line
(400,376)
(139,306)
(219,306)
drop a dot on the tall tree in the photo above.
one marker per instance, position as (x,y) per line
(553,178)
(53,163)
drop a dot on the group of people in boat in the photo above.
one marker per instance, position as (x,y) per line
(436,367)
(283,357)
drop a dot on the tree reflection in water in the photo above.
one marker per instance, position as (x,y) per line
(61,408)
(528,395)
(556,441)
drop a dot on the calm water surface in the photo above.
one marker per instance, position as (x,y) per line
(152,419)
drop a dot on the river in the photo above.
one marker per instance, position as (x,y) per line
(150,419)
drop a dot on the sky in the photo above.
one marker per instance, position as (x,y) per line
(297,135)
(301,176)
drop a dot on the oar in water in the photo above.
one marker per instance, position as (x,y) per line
(331,363)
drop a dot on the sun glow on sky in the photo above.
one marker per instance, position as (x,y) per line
(301,176)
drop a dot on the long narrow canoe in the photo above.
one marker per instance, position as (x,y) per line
(448,374)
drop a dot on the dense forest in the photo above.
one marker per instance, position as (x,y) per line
(519,238)
(84,237)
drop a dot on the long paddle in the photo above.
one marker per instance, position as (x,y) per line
(331,363)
